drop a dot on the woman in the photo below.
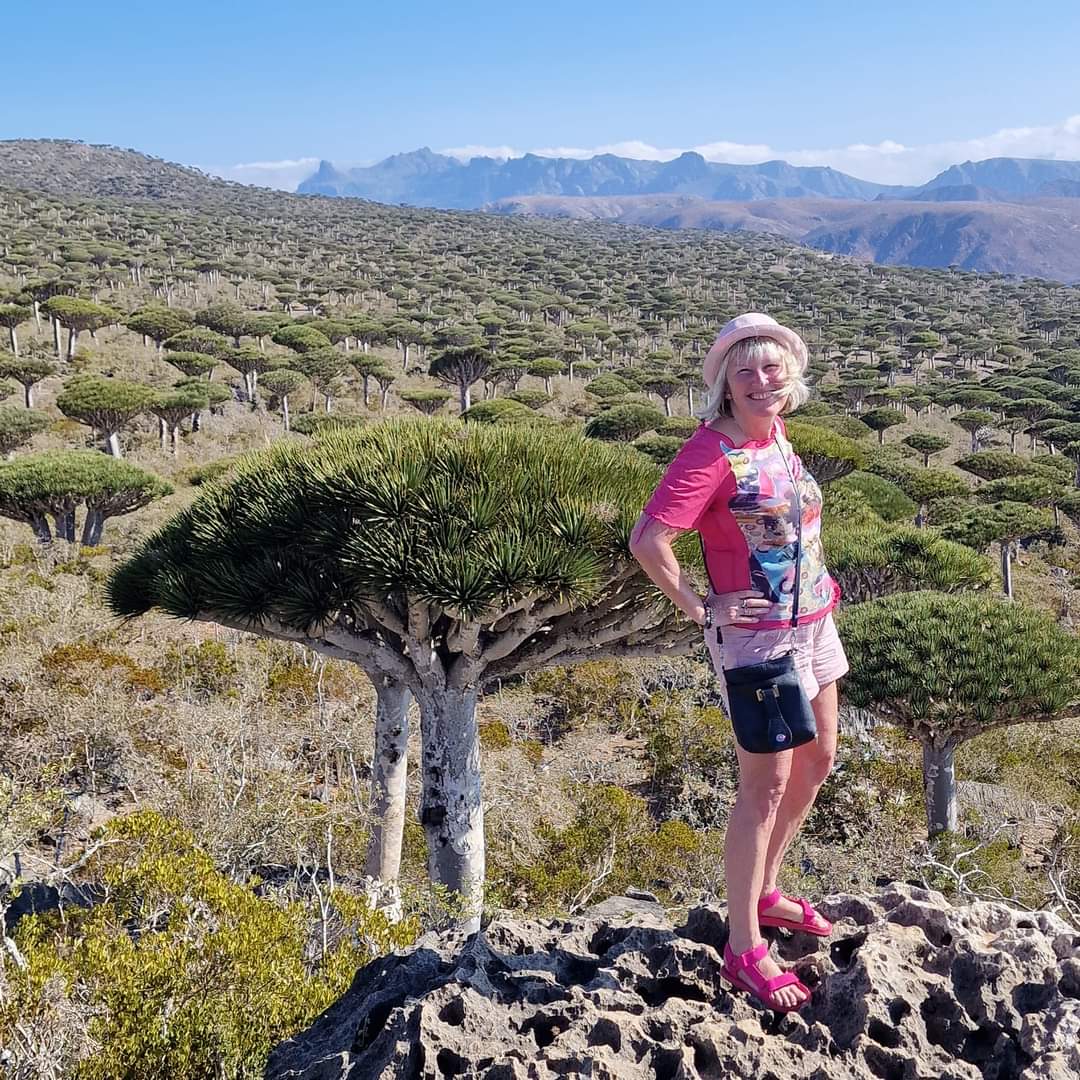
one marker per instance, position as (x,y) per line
(735,481)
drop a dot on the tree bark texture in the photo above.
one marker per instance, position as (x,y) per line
(1006,568)
(939,779)
(388,771)
(451,806)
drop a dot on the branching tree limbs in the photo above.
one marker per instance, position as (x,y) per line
(437,555)
(55,484)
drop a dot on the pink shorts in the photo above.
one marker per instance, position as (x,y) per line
(819,656)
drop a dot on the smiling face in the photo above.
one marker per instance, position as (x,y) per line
(758,379)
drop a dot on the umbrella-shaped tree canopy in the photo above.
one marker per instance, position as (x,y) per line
(438,555)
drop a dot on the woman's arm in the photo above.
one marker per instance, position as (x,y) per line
(650,544)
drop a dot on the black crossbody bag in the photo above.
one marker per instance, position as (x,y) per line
(770,711)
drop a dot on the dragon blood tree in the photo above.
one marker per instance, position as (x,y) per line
(946,668)
(440,557)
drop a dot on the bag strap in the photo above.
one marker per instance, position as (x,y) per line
(798,532)
(798,542)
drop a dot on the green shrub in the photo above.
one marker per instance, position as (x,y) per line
(186,974)
(884,497)
(204,474)
(612,829)
(206,667)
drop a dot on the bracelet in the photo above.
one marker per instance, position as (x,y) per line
(708,617)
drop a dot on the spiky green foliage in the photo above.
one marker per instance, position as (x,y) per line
(466,518)
(19,426)
(499,411)
(608,385)
(850,427)
(300,338)
(104,404)
(57,482)
(871,560)
(199,339)
(957,664)
(460,366)
(314,423)
(215,393)
(431,401)
(624,423)
(79,315)
(883,496)
(191,363)
(28,371)
(828,456)
(682,427)
(659,448)
(224,318)
(995,464)
(1037,490)
(533,399)
(159,323)
(880,420)
(926,443)
(1000,523)
(172,406)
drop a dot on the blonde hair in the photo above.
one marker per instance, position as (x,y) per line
(716,403)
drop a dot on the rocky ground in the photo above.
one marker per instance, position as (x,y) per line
(907,988)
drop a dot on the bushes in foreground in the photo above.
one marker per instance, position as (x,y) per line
(180,973)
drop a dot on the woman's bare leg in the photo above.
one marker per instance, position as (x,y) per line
(762,782)
(810,766)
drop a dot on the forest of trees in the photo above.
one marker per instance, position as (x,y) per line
(358,482)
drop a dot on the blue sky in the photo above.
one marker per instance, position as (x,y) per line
(887,92)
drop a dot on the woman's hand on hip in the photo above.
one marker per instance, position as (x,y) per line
(742,606)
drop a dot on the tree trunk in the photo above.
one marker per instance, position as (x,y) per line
(162,431)
(64,525)
(14,340)
(112,443)
(465,396)
(388,772)
(92,527)
(285,409)
(174,440)
(73,336)
(28,394)
(939,780)
(451,807)
(56,340)
(40,525)
(1006,568)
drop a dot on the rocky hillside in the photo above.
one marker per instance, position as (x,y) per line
(67,168)
(907,987)
(1038,238)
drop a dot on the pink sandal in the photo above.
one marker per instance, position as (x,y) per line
(806,924)
(763,989)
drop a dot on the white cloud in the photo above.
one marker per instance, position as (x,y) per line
(467,153)
(887,162)
(274,174)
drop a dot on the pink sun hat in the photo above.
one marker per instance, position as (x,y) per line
(752,324)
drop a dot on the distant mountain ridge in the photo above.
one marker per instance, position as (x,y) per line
(1036,237)
(424,178)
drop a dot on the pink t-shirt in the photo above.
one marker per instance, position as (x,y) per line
(741,502)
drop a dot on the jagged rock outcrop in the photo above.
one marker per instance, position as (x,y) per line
(907,988)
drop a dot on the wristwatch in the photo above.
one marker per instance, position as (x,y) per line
(708,617)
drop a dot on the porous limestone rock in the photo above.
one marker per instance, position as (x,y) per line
(906,988)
